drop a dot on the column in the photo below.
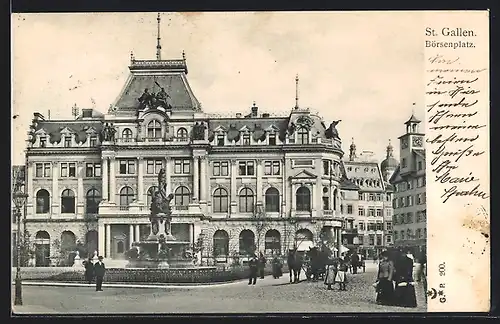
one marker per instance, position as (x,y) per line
(319,198)
(112,180)
(293,196)
(131,235)
(140,179)
(101,234)
(233,204)
(55,189)
(80,193)
(203,177)
(108,241)
(258,185)
(191,231)
(137,232)
(168,171)
(313,199)
(339,239)
(196,178)
(105,180)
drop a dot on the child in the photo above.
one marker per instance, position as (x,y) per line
(341,276)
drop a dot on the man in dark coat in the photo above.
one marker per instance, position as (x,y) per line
(405,291)
(261,265)
(355,262)
(99,270)
(253,265)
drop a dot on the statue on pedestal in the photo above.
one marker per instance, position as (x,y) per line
(199,131)
(108,132)
(160,208)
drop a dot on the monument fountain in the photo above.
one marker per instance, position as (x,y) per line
(161,249)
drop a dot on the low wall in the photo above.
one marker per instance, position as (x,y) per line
(131,275)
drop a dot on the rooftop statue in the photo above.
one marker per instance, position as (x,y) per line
(149,100)
(108,132)
(332,131)
(199,131)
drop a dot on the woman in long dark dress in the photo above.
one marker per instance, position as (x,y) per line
(385,287)
(89,271)
(405,291)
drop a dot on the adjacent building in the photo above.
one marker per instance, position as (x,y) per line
(410,217)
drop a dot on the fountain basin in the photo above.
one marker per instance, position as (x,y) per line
(151,257)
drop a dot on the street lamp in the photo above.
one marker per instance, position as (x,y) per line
(19,199)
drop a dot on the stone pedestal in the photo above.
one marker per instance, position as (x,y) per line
(77,262)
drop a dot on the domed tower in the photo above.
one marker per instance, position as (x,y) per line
(352,151)
(389,165)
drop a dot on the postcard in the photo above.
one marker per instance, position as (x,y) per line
(250,162)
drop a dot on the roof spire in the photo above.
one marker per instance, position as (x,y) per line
(74,110)
(297,91)
(352,151)
(413,109)
(158,45)
(132,57)
(389,149)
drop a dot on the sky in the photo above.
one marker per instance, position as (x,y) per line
(364,68)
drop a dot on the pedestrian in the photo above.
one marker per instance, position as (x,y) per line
(89,270)
(277,267)
(355,262)
(385,285)
(99,271)
(261,265)
(405,291)
(331,269)
(252,264)
(341,276)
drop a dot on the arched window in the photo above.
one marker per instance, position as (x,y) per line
(220,201)
(68,241)
(154,129)
(42,201)
(182,196)
(303,239)
(303,199)
(246,200)
(93,199)
(273,242)
(151,192)
(42,236)
(67,202)
(247,242)
(272,200)
(182,133)
(126,196)
(221,243)
(302,136)
(127,134)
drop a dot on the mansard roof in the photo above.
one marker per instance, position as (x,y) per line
(366,175)
(153,74)
(79,127)
(257,126)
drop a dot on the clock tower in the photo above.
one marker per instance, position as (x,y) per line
(409,142)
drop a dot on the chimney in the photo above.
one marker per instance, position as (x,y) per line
(255,111)
(238,115)
(86,113)
(265,115)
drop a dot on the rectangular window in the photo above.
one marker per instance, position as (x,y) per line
(371,226)
(360,196)
(67,141)
(379,239)
(93,141)
(272,168)
(388,239)
(246,168)
(302,162)
(43,141)
(42,170)
(420,165)
(380,227)
(371,239)
(272,139)
(220,168)
(127,166)
(182,166)
(326,167)
(388,212)
(246,139)
(379,212)
(361,211)
(326,203)
(68,170)
(409,218)
(349,209)
(153,166)
(371,197)
(419,233)
(396,236)
(379,197)
(388,226)
(371,212)
(395,219)
(93,170)
(361,226)
(220,140)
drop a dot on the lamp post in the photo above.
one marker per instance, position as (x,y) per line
(19,199)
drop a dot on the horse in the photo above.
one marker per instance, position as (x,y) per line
(294,262)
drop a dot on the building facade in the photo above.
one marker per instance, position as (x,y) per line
(410,216)
(367,204)
(241,183)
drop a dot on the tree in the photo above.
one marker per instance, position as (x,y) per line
(27,249)
(259,223)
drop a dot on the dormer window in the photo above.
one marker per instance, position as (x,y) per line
(272,139)
(154,129)
(220,140)
(246,139)
(302,136)
(93,141)
(182,133)
(67,141)
(43,141)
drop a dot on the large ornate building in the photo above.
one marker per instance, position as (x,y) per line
(410,217)
(248,181)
